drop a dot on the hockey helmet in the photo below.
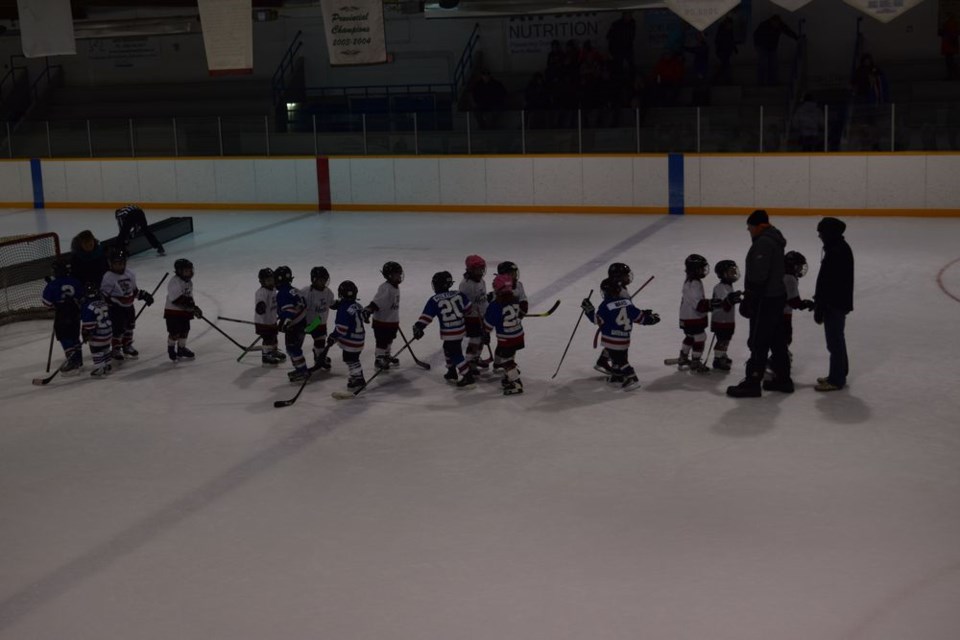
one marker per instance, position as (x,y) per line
(117,256)
(265,275)
(610,287)
(321,274)
(181,267)
(347,290)
(795,263)
(61,268)
(283,275)
(727,271)
(621,273)
(475,263)
(696,266)
(509,268)
(442,281)
(393,272)
(503,283)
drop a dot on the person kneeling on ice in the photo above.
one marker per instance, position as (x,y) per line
(616,317)
(97,329)
(179,310)
(292,310)
(348,330)
(450,307)
(62,294)
(503,316)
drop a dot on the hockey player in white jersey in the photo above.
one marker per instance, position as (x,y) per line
(693,314)
(385,311)
(265,318)
(319,299)
(119,289)
(179,309)
(794,268)
(475,289)
(723,317)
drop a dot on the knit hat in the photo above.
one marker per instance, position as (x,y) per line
(758,217)
(831,227)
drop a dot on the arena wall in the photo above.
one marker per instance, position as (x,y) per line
(845,184)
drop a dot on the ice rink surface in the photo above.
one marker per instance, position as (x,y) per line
(174,501)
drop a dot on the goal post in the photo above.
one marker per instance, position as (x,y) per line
(25,263)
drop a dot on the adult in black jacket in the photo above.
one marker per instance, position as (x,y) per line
(763,299)
(87,260)
(834,299)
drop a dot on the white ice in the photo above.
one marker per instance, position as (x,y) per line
(173,501)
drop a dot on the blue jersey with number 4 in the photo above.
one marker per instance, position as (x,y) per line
(349,330)
(450,307)
(615,317)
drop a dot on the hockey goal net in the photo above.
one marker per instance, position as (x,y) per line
(25,262)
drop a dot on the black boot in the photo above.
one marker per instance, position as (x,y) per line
(783,385)
(749,387)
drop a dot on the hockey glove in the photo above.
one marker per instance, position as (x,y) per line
(587,306)
(197,313)
(491,297)
(807,305)
(648,317)
(366,313)
(734,298)
(282,325)
(417,331)
(486,337)
(818,314)
(703,306)
(145,296)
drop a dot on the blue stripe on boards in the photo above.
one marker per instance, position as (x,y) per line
(675,181)
(37,175)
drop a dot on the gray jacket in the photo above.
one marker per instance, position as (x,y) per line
(764,265)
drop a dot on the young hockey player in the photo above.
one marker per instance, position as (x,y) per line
(723,319)
(794,268)
(693,314)
(619,273)
(63,294)
(385,310)
(348,330)
(475,289)
(265,318)
(319,299)
(119,288)
(450,307)
(616,317)
(179,310)
(503,316)
(97,329)
(292,311)
(512,270)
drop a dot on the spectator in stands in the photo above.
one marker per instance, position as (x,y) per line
(725,45)
(766,40)
(868,83)
(808,124)
(132,220)
(620,38)
(87,260)
(949,33)
(668,76)
(489,98)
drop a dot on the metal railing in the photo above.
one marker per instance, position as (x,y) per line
(279,80)
(739,129)
(461,74)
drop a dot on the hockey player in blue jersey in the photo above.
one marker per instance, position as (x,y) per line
(622,275)
(616,317)
(63,294)
(349,331)
(503,316)
(292,312)
(97,329)
(450,307)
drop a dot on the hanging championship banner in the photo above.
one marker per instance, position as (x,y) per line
(791,5)
(46,28)
(883,10)
(701,13)
(227,36)
(354,31)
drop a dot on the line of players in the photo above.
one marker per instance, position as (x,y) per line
(104,317)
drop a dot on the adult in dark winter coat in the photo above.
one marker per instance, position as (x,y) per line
(87,260)
(764,296)
(834,299)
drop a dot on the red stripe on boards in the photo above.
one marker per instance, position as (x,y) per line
(324,197)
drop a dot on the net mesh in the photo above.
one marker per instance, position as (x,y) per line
(25,262)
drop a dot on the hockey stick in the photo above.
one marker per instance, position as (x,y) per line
(152,293)
(575,327)
(235,320)
(407,346)
(50,350)
(221,332)
(247,350)
(544,314)
(596,336)
(286,403)
(703,365)
(42,381)
(347,395)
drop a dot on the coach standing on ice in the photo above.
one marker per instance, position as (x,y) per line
(763,299)
(833,299)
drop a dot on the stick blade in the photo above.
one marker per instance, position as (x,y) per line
(343,395)
(281,403)
(40,381)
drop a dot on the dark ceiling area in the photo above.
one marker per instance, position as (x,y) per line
(82,9)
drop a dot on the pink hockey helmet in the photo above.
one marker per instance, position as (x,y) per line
(503,282)
(475,262)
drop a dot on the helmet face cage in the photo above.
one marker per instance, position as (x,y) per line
(118,263)
(393,272)
(727,270)
(91,291)
(442,281)
(503,283)
(266,278)
(319,275)
(184,269)
(283,275)
(796,264)
(697,266)
(347,290)
(620,272)
(509,268)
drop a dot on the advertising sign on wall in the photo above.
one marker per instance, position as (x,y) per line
(701,13)
(354,31)
(533,34)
